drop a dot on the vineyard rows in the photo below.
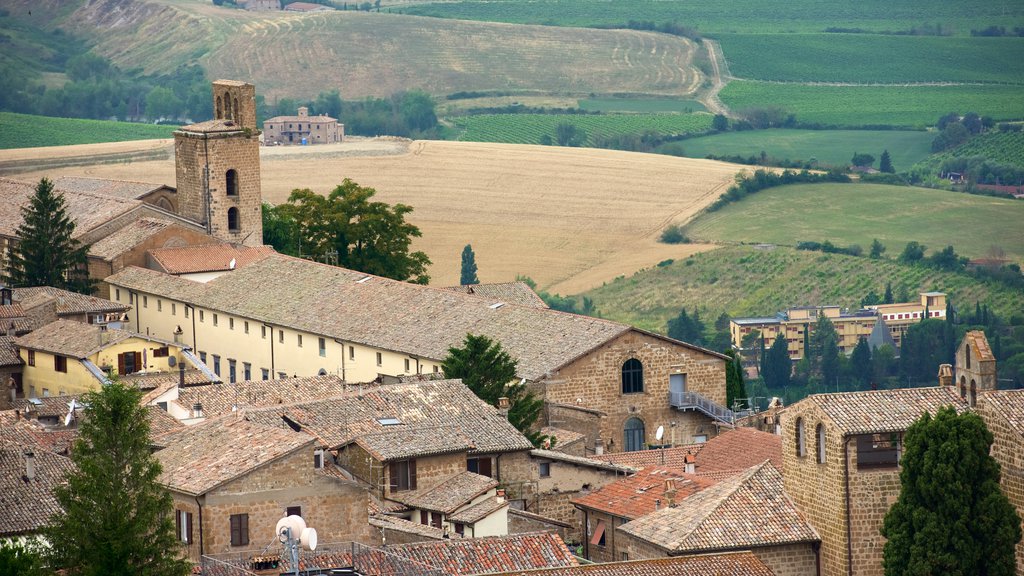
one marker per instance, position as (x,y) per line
(867,58)
(999,147)
(26,131)
(530,128)
(912,106)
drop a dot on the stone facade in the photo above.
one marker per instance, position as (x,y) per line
(975,367)
(173,236)
(335,507)
(784,560)
(1008,450)
(520,522)
(613,546)
(594,381)
(516,474)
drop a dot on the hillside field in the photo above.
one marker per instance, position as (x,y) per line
(27,131)
(744,281)
(871,58)
(857,213)
(829,147)
(680,105)
(999,147)
(570,218)
(910,106)
(529,128)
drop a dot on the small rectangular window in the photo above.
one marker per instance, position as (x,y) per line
(323,347)
(159,305)
(280,336)
(202,356)
(131,298)
(246,371)
(186,311)
(231,323)
(436,369)
(351,352)
(60,364)
(239,529)
(231,371)
(174,309)
(216,364)
(380,359)
(293,511)
(545,469)
(202,316)
(406,364)
(117,294)
(31,357)
(246,326)
(263,332)
(214,318)
(282,375)
(266,373)
(46,392)
(299,340)
(145,301)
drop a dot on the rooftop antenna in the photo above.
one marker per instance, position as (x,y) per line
(293,532)
(71,412)
(658,436)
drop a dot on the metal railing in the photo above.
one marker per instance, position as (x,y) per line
(687,400)
(330,558)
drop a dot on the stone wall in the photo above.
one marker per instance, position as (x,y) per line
(594,381)
(517,474)
(790,560)
(520,522)
(360,464)
(872,494)
(1008,450)
(818,490)
(171,237)
(614,543)
(578,419)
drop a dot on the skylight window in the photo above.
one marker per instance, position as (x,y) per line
(389,421)
(364,280)
(496,305)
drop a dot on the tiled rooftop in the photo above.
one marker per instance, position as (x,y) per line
(48,406)
(160,422)
(581,461)
(68,303)
(73,339)
(219,399)
(642,493)
(383,313)
(201,457)
(977,341)
(490,555)
(510,292)
(670,457)
(724,564)
(877,411)
(402,525)
(739,449)
(27,504)
(207,257)
(33,433)
(1009,404)
(399,442)
(563,439)
(479,511)
(443,403)
(8,352)
(125,189)
(128,237)
(447,497)
(748,510)
(86,209)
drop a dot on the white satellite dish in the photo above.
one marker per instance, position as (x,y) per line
(231,265)
(295,523)
(308,539)
(660,433)
(71,412)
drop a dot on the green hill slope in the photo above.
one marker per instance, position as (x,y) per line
(745,281)
(27,131)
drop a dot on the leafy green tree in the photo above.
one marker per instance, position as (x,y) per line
(924,347)
(877,249)
(862,159)
(490,373)
(883,362)
(885,164)
(468,275)
(722,339)
(947,259)
(777,365)
(46,253)
(162,102)
(860,361)
(568,134)
(328,103)
(115,518)
(371,237)
(830,362)
(686,329)
(720,123)
(951,516)
(279,230)
(418,110)
(913,252)
(21,559)
(753,346)
(870,299)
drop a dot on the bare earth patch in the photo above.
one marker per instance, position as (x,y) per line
(571,218)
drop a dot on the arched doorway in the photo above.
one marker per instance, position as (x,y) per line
(634,435)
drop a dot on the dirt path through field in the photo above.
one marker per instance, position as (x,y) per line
(719,78)
(571,218)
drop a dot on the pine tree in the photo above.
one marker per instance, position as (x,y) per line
(885,164)
(46,253)
(860,361)
(686,329)
(115,518)
(887,299)
(468,275)
(951,516)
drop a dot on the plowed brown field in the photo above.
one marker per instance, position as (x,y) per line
(571,218)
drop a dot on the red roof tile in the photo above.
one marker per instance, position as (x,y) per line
(670,457)
(739,449)
(727,564)
(639,494)
(490,555)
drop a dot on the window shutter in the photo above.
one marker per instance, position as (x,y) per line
(188,527)
(177,524)
(393,476)
(235,537)
(485,466)
(120,364)
(245,529)
(138,361)
(412,474)
(423,517)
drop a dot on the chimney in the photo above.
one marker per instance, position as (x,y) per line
(657,505)
(689,464)
(503,405)
(197,410)
(303,112)
(945,375)
(181,375)
(500,496)
(598,447)
(670,492)
(30,465)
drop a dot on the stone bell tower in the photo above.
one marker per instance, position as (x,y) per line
(217,165)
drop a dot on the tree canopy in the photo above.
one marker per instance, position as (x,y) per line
(46,253)
(951,516)
(115,518)
(777,365)
(468,275)
(348,229)
(490,373)
(686,328)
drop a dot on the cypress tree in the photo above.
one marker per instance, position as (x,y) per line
(888,293)
(778,367)
(885,164)
(115,518)
(860,361)
(468,275)
(46,253)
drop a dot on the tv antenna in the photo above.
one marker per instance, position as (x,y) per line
(293,532)
(658,436)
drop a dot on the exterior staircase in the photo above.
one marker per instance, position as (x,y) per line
(687,400)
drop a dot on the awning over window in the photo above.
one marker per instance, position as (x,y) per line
(598,533)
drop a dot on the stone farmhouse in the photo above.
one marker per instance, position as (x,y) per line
(610,382)
(303,129)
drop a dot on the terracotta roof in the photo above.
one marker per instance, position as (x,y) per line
(383,313)
(447,497)
(201,457)
(479,511)
(160,422)
(581,461)
(125,189)
(406,526)
(640,494)
(33,433)
(314,119)
(207,257)
(28,504)
(562,438)
(86,209)
(513,292)
(210,126)
(399,442)
(673,457)
(443,403)
(48,406)
(1009,404)
(876,411)
(494,554)
(12,311)
(128,237)
(8,353)
(739,449)
(73,339)
(749,510)
(219,399)
(157,383)
(723,564)
(976,339)
(67,302)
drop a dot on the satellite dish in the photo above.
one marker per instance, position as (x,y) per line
(295,523)
(308,539)
(231,265)
(660,433)
(71,412)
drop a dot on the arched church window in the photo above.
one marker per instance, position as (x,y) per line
(233,221)
(232,182)
(634,435)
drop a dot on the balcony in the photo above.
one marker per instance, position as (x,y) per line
(693,401)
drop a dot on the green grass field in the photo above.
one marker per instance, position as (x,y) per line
(857,213)
(744,281)
(869,58)
(529,128)
(740,15)
(911,106)
(829,147)
(26,131)
(640,105)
